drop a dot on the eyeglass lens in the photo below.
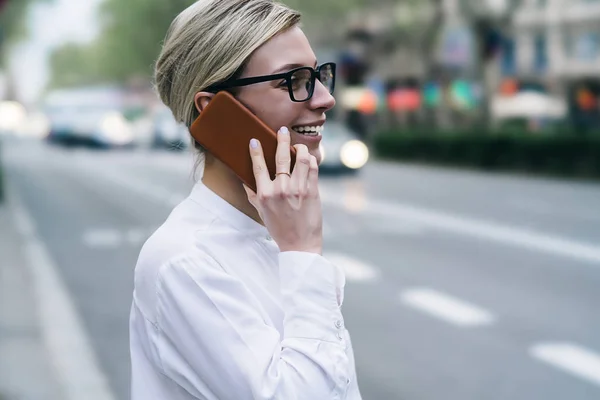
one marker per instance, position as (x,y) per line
(303,84)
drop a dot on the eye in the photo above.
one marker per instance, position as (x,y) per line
(300,81)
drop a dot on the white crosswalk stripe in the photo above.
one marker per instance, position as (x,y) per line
(102,238)
(447,308)
(110,238)
(570,358)
(354,269)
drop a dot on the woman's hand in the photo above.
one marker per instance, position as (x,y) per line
(290,205)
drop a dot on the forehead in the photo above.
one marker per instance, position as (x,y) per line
(288,47)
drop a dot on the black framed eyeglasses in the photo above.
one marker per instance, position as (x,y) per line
(300,81)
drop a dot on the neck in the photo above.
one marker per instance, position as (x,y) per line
(221,180)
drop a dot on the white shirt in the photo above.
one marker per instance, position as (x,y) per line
(220,313)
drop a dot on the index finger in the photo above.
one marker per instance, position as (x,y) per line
(283,157)
(259,166)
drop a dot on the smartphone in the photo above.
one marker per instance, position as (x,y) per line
(225,128)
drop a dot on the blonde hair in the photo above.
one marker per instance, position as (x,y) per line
(210,42)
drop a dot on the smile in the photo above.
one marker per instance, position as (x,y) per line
(308,130)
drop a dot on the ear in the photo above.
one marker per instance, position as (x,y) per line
(201,100)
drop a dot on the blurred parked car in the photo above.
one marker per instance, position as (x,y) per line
(341,150)
(88,116)
(167,133)
(89,126)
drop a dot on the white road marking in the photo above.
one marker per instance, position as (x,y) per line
(111,238)
(103,238)
(354,269)
(440,220)
(446,308)
(136,236)
(571,358)
(478,228)
(71,354)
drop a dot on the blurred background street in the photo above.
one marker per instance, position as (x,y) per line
(455,279)
(460,189)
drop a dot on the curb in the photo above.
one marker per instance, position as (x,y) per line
(74,364)
(25,368)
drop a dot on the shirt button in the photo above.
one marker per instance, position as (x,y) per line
(338,324)
(269,238)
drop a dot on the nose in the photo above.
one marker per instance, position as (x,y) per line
(321,100)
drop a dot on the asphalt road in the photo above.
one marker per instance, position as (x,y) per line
(460,285)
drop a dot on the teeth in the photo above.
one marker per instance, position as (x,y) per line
(309,130)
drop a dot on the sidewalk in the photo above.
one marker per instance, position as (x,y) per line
(25,369)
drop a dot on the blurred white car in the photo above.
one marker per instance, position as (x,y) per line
(92,116)
(167,133)
(89,126)
(341,150)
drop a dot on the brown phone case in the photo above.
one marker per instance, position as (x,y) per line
(225,128)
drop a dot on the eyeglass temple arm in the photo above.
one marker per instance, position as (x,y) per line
(248,81)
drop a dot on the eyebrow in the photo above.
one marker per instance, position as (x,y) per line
(287,67)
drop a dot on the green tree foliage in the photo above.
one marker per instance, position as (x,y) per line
(131,35)
(132,32)
(76,64)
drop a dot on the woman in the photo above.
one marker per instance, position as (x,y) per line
(233,299)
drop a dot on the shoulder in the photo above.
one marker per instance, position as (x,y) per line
(172,276)
(172,248)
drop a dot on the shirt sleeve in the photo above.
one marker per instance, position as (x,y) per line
(215,343)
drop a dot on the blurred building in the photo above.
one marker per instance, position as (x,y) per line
(555,45)
(558,38)
(482,52)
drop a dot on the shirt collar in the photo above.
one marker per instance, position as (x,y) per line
(204,196)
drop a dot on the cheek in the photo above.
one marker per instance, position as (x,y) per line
(279,112)
(279,116)
(273,107)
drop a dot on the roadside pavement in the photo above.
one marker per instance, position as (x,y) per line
(26,372)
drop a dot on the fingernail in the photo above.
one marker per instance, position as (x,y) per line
(284,131)
(254,143)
